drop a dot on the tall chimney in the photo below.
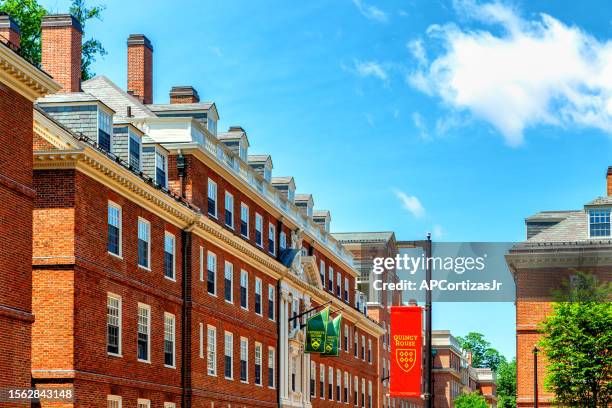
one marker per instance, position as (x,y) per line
(184,94)
(609,181)
(9,30)
(140,67)
(61,42)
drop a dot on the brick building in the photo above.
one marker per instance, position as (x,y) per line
(453,373)
(20,84)
(168,260)
(365,246)
(558,244)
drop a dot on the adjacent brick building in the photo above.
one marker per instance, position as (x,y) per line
(558,244)
(20,84)
(168,261)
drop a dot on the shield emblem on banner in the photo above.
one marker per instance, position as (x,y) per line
(406,358)
(315,343)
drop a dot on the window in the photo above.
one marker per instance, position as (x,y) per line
(169,333)
(114,228)
(258,363)
(229,210)
(227,287)
(599,222)
(369,394)
(356,391)
(201,340)
(113,324)
(169,405)
(322,381)
(169,245)
(346,338)
(363,348)
(294,364)
(211,125)
(144,243)
(104,130)
(211,273)
(144,332)
(295,311)
(134,151)
(211,350)
(271,238)
(282,241)
(201,264)
(244,289)
(356,344)
(161,164)
(362,392)
(370,351)
(258,296)
(271,362)
(267,173)
(346,387)
(113,401)
(143,403)
(338,384)
(258,229)
(313,378)
(244,220)
(331,279)
(346,290)
(271,302)
(322,272)
(244,358)
(229,353)
(212,198)
(338,284)
(330,384)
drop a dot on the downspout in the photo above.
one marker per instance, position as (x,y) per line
(278,340)
(186,315)
(181,168)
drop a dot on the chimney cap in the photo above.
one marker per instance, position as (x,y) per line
(139,39)
(609,170)
(186,90)
(7,21)
(61,20)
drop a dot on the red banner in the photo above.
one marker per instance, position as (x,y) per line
(406,351)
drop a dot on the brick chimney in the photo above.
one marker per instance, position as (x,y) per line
(184,94)
(609,181)
(140,67)
(9,30)
(61,42)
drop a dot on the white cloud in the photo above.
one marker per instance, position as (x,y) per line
(371,12)
(419,124)
(529,73)
(437,232)
(418,51)
(411,204)
(371,68)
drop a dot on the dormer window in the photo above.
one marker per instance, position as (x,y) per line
(267,173)
(599,222)
(134,150)
(291,195)
(243,151)
(161,164)
(212,125)
(104,130)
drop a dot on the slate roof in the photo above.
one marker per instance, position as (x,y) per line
(164,107)
(600,201)
(282,180)
(258,158)
(116,98)
(550,216)
(68,97)
(573,228)
(351,237)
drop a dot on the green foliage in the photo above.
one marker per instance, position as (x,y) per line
(506,384)
(472,400)
(483,356)
(28,15)
(91,47)
(576,342)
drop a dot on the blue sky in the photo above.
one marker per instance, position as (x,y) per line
(455,117)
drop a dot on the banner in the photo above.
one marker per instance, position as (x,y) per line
(406,351)
(316,330)
(333,336)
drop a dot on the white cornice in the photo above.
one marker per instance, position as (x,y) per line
(23,77)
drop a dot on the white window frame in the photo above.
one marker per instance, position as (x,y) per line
(244,207)
(272,237)
(169,405)
(164,162)
(282,244)
(339,284)
(228,352)
(258,282)
(109,296)
(370,351)
(208,195)
(322,268)
(211,349)
(244,276)
(589,222)
(120,226)
(272,291)
(136,138)
(146,223)
(143,403)
(322,380)
(346,298)
(231,275)
(259,221)
(229,196)
(173,319)
(244,341)
(173,240)
(258,350)
(114,398)
(211,255)
(272,365)
(146,307)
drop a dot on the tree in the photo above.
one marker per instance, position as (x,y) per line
(576,342)
(472,400)
(28,15)
(483,356)
(506,384)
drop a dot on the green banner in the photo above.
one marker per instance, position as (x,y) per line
(316,329)
(333,337)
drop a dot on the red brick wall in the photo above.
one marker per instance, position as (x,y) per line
(61,56)
(16,232)
(140,72)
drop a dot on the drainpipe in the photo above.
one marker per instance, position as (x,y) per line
(278,341)
(181,167)
(186,239)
